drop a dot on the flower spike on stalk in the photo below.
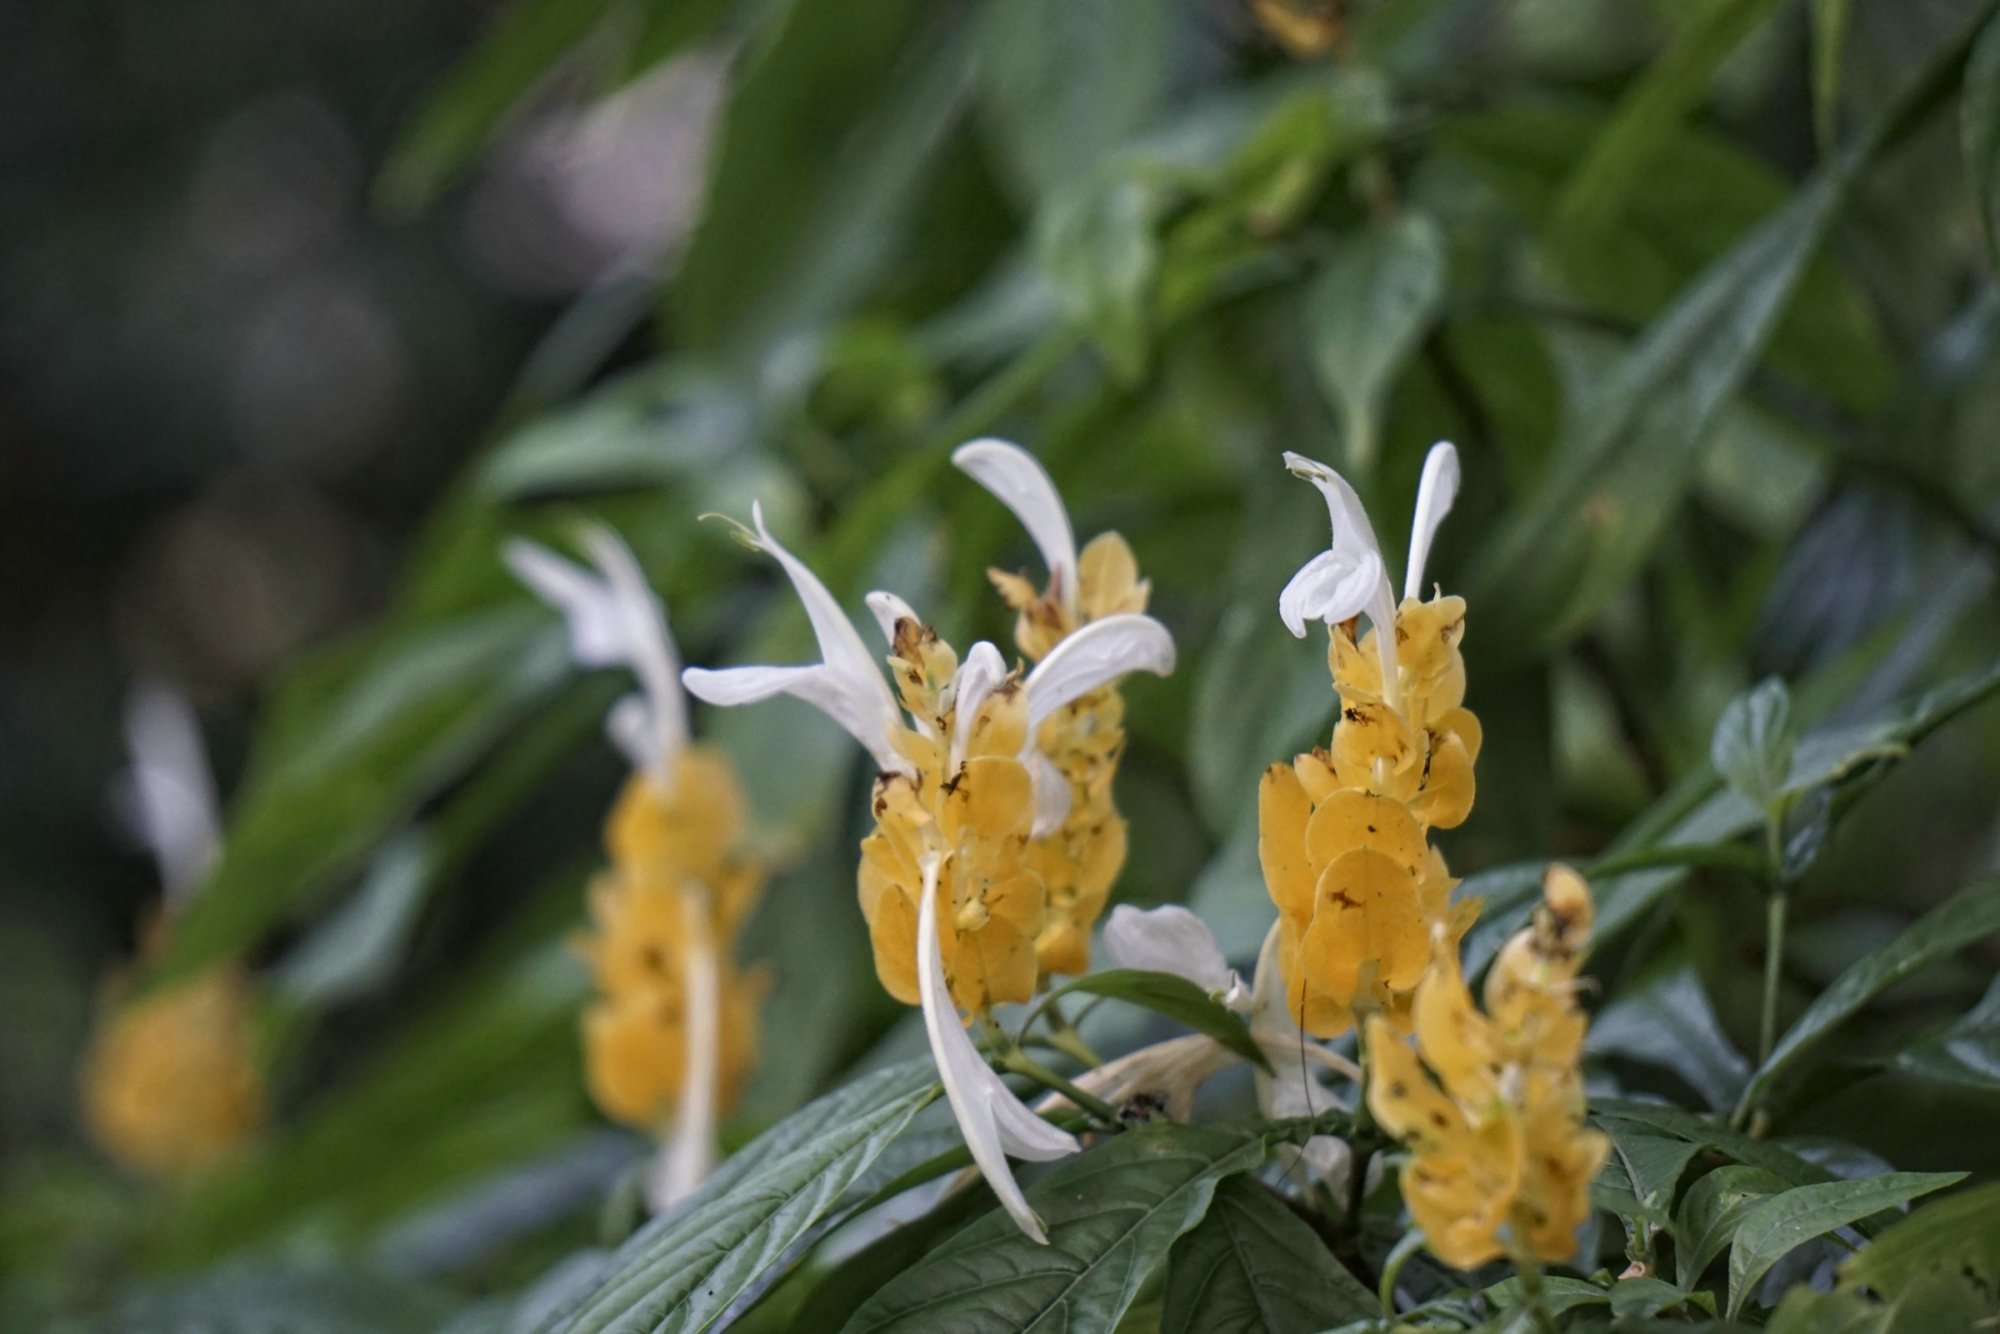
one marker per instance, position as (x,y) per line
(672,1031)
(953,900)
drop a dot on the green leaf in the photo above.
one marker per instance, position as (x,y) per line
(1176,998)
(1753,742)
(1709,1214)
(1639,1181)
(1653,109)
(1112,1214)
(1252,1266)
(1096,243)
(1775,1226)
(298,1299)
(1378,295)
(1258,696)
(1560,1294)
(1804,1311)
(686,1268)
(1668,1022)
(1967,1053)
(1966,917)
(1829,45)
(1953,1242)
(1979,132)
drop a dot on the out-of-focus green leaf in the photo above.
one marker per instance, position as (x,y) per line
(1708,1216)
(1954,1242)
(1776,1225)
(686,1268)
(1112,1214)
(1829,46)
(298,1299)
(645,429)
(1753,743)
(1252,1266)
(1096,244)
(1063,84)
(426,707)
(1980,131)
(481,94)
(1669,1022)
(1259,696)
(1176,998)
(1806,1311)
(1375,299)
(1559,1292)
(1653,108)
(1967,1053)
(1968,916)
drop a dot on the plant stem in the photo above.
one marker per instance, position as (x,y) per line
(1775,911)
(1017,1061)
(1530,1270)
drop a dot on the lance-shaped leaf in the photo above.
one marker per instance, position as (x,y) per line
(1178,999)
(685,1269)
(1708,1217)
(1375,300)
(1111,1215)
(1784,1221)
(1252,1266)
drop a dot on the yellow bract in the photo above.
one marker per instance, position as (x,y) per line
(1079,861)
(1493,1111)
(170,1083)
(678,883)
(977,815)
(1343,832)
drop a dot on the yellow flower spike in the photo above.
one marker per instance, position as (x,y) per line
(170,1086)
(672,1031)
(1491,1105)
(1078,852)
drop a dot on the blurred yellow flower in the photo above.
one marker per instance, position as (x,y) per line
(1493,1112)
(1343,833)
(170,1082)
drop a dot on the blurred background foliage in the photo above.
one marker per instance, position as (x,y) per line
(303,309)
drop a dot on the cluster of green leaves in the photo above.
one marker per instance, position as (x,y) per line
(1719,396)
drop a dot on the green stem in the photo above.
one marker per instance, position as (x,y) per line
(1020,1063)
(1775,911)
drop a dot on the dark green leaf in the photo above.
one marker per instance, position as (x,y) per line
(245,1299)
(1980,131)
(1260,695)
(1967,1053)
(1829,44)
(1753,742)
(1954,1241)
(1252,1266)
(1178,999)
(1376,298)
(686,1268)
(1804,1311)
(1708,1216)
(1645,1168)
(1968,916)
(1112,1214)
(1668,1022)
(1095,242)
(1559,1292)
(1776,1225)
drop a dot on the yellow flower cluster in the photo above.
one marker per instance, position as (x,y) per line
(1343,834)
(677,892)
(1502,1160)
(969,800)
(170,1083)
(1079,861)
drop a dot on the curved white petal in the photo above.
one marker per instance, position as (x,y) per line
(633,733)
(888,609)
(1094,656)
(1052,798)
(993,1121)
(841,651)
(1351,527)
(174,806)
(1018,481)
(1173,940)
(615,619)
(1331,587)
(1435,493)
(688,1155)
(981,672)
(816,685)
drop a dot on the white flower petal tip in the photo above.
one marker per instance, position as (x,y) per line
(1435,494)
(888,610)
(1332,587)
(1172,939)
(1094,656)
(978,677)
(173,806)
(615,619)
(992,1120)
(1018,481)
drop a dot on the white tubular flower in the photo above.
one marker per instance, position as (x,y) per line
(846,684)
(170,788)
(1350,577)
(993,1121)
(1018,481)
(687,1156)
(1173,940)
(1094,656)
(615,620)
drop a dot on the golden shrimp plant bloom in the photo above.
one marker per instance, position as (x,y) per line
(672,1030)
(1491,1105)
(1078,855)
(954,902)
(1344,832)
